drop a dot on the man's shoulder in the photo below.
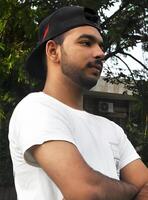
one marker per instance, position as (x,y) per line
(28,101)
(35,99)
(38,104)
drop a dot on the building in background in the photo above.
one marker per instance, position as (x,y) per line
(109,100)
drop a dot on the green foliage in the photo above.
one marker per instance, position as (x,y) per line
(19,21)
(138,139)
(137,129)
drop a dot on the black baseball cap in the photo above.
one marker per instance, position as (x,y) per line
(57,23)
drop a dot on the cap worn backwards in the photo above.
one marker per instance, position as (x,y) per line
(60,21)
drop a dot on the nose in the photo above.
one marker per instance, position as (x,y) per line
(99,53)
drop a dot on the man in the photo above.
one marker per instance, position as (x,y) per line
(58,150)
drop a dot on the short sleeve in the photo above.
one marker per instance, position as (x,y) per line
(126,150)
(38,123)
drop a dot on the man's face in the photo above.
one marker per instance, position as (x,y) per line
(82,55)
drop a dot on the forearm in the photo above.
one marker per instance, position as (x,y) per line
(105,188)
(111,189)
(143,193)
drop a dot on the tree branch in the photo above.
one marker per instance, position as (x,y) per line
(124,53)
(142,38)
(111,54)
(128,69)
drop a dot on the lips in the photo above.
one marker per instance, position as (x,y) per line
(95,71)
(97,64)
(98,67)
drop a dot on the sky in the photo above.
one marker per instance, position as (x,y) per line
(137,53)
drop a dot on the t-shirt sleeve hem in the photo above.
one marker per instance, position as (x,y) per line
(27,149)
(129,160)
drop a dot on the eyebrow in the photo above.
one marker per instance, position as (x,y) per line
(92,38)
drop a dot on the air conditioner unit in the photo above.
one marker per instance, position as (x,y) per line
(106,107)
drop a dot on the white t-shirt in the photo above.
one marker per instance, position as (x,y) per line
(39,118)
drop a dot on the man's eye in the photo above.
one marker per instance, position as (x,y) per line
(86,43)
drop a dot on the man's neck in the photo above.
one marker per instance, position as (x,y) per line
(68,94)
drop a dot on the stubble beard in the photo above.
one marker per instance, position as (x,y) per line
(75,73)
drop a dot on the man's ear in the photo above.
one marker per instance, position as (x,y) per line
(52,51)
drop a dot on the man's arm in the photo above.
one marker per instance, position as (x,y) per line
(143,194)
(137,173)
(76,179)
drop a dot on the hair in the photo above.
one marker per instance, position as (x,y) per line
(59,39)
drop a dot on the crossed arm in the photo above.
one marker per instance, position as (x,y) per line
(136,173)
(78,181)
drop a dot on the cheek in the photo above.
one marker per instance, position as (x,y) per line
(80,55)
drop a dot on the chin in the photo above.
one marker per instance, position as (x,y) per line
(89,83)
